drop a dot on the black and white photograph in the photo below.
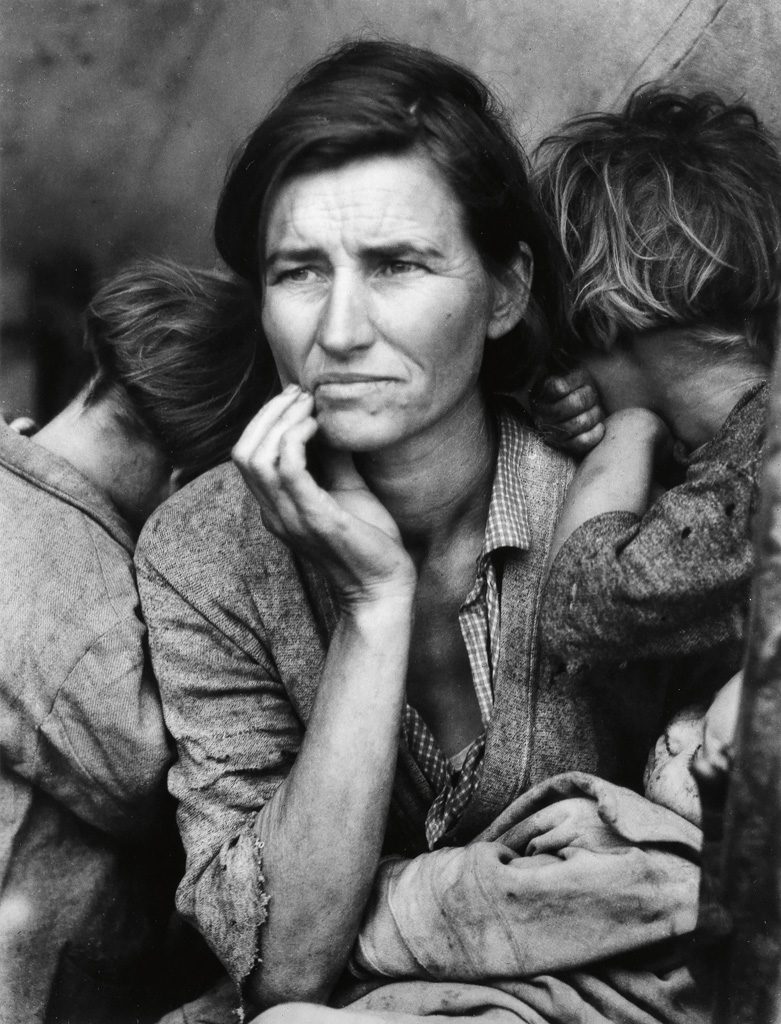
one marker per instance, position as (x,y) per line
(390,512)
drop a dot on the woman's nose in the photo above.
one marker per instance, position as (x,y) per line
(345,323)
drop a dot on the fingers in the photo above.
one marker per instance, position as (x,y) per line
(561,824)
(581,423)
(257,452)
(583,443)
(555,387)
(271,456)
(575,402)
(713,761)
(567,412)
(304,507)
(348,533)
(721,722)
(292,450)
(578,435)
(259,427)
(712,766)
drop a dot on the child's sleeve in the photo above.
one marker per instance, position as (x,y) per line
(670,583)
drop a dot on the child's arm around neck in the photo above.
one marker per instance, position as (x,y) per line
(617,475)
(671,581)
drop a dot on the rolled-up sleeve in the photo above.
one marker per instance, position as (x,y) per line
(236,736)
(671,583)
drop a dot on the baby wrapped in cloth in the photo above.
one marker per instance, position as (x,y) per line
(575,907)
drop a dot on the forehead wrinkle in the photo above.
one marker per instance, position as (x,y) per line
(311,212)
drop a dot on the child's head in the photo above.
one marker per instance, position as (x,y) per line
(668,778)
(669,214)
(696,745)
(176,356)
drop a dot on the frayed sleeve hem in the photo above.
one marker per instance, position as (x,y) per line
(231,904)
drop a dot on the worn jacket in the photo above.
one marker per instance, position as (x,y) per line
(672,584)
(239,628)
(83,753)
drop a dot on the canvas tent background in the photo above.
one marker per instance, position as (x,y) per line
(119,117)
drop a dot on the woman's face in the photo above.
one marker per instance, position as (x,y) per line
(375,299)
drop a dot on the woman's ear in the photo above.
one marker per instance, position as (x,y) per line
(511,293)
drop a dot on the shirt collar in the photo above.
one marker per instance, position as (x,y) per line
(508,521)
(46,471)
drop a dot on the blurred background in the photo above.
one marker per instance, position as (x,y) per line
(120,116)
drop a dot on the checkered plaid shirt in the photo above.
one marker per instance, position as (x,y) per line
(507,527)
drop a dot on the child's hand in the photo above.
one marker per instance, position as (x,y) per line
(714,758)
(567,412)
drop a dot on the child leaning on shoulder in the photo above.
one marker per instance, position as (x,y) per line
(669,215)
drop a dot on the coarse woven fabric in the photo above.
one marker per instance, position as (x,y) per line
(673,584)
(84,755)
(239,629)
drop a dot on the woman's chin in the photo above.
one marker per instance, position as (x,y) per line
(355,432)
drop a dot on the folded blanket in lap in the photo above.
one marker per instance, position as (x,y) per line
(645,998)
(542,1000)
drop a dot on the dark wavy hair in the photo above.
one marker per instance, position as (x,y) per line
(373,98)
(177,351)
(669,215)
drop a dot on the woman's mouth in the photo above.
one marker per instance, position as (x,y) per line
(348,386)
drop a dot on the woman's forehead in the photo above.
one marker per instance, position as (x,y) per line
(382,200)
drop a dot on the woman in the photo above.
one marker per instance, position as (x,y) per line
(345,639)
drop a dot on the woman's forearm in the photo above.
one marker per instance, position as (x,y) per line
(323,829)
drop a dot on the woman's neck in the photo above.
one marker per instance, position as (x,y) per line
(437,484)
(128,470)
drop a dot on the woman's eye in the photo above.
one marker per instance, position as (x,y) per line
(295,275)
(395,268)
